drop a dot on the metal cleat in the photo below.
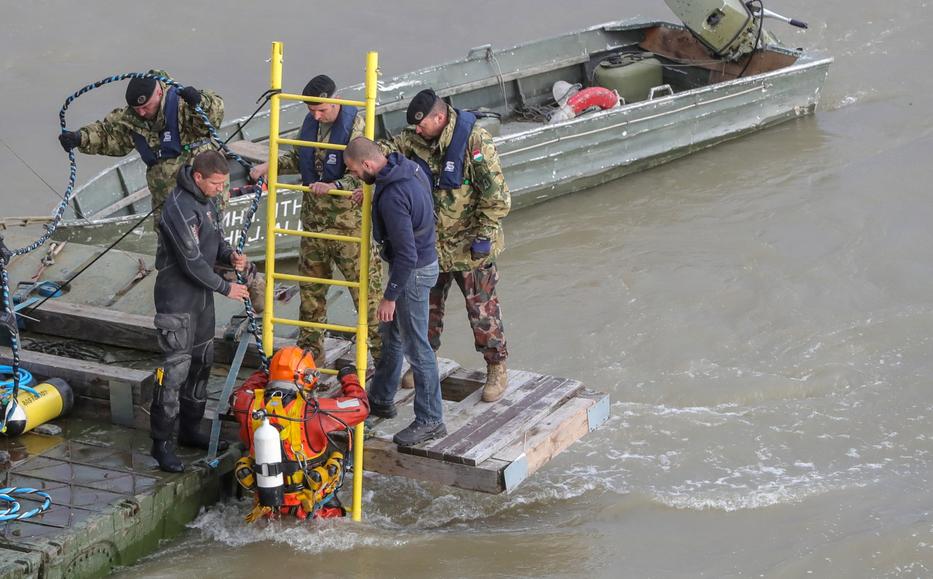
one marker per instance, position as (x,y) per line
(236,327)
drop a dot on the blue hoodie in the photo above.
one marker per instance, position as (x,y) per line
(403,220)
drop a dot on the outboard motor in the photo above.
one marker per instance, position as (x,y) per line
(729,28)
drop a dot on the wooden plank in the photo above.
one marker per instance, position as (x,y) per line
(383,457)
(495,427)
(101,325)
(461,412)
(251,150)
(496,434)
(546,439)
(106,326)
(80,375)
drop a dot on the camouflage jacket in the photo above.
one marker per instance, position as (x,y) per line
(328,213)
(474,210)
(112,136)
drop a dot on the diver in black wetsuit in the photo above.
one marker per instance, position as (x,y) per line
(191,241)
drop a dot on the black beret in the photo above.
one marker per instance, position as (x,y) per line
(320,86)
(420,106)
(139,90)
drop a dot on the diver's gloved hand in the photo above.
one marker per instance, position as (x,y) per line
(480,248)
(346,371)
(190,95)
(69,140)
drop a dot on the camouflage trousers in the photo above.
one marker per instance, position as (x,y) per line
(316,260)
(482,304)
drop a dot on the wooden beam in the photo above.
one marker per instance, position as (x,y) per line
(548,438)
(107,326)
(85,378)
(514,422)
(383,457)
(496,426)
(464,411)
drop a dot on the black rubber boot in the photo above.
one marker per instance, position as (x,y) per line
(189,429)
(164,453)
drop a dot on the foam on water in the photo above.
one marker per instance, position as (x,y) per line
(224,523)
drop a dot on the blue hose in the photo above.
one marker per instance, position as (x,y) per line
(25,377)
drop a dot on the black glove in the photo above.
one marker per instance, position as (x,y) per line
(480,248)
(69,140)
(190,95)
(345,371)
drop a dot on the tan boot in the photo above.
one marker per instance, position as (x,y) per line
(408,379)
(497,378)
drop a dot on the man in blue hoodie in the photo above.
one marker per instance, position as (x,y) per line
(403,226)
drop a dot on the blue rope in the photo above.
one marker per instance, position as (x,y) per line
(12,512)
(25,376)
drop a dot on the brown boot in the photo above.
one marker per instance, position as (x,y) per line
(408,379)
(497,378)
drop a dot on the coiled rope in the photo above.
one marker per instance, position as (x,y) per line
(12,512)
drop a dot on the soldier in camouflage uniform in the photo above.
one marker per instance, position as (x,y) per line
(144,125)
(470,200)
(161,124)
(323,170)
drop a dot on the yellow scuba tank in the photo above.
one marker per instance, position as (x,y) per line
(55,399)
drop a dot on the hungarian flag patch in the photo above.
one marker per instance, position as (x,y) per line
(477,155)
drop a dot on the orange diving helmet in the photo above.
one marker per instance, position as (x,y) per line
(295,366)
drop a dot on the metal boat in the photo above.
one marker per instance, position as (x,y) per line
(702,99)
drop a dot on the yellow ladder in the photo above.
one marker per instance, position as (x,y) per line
(272,231)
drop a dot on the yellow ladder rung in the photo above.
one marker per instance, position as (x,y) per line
(329,371)
(321,100)
(315,325)
(340,192)
(315,144)
(321,280)
(316,235)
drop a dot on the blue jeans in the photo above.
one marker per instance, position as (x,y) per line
(408,334)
